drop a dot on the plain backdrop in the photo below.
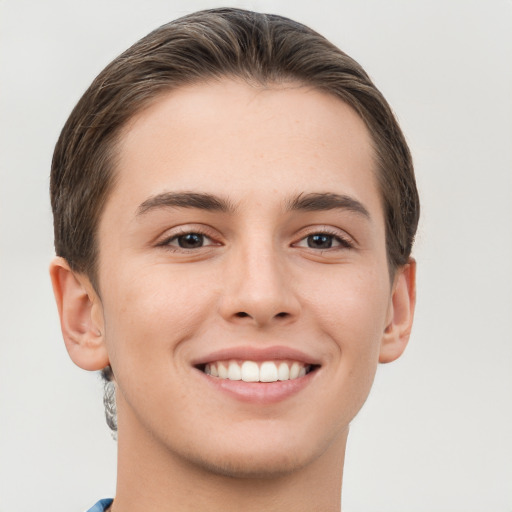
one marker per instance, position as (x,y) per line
(436,432)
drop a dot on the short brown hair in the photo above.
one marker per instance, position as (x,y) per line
(259,48)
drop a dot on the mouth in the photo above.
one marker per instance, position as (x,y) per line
(261,371)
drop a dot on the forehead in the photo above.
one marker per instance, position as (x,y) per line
(242,140)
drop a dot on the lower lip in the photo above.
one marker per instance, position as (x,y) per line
(260,392)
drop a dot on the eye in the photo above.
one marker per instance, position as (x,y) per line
(189,241)
(323,241)
(320,241)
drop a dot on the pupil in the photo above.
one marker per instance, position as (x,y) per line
(190,241)
(320,241)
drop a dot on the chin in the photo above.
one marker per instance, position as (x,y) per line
(247,466)
(257,457)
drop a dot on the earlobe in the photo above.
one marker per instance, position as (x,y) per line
(81,316)
(403,301)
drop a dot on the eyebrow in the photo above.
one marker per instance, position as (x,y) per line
(303,202)
(327,201)
(185,200)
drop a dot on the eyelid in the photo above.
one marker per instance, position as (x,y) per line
(174,233)
(346,241)
(175,238)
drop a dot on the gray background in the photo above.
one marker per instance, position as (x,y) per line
(436,433)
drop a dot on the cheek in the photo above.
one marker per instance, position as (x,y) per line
(149,314)
(352,315)
(352,307)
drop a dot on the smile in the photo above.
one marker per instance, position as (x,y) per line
(251,371)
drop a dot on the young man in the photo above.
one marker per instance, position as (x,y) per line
(234,208)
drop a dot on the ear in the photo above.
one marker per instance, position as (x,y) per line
(401,313)
(81,316)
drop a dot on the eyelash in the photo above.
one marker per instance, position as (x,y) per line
(344,242)
(182,233)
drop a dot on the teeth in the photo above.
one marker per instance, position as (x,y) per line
(294,370)
(283,372)
(234,371)
(268,372)
(250,371)
(223,371)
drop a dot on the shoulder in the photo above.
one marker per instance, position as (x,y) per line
(101,505)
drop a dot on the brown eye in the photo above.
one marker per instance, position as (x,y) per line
(324,241)
(320,241)
(185,240)
(190,240)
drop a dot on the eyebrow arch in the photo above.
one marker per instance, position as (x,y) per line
(185,200)
(327,201)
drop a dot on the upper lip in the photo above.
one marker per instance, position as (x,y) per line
(257,354)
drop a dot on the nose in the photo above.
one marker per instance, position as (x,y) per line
(258,289)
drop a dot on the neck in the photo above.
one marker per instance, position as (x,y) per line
(150,477)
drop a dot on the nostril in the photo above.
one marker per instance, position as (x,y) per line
(243,314)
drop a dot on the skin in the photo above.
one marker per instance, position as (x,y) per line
(255,282)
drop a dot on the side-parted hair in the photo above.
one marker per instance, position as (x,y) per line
(261,49)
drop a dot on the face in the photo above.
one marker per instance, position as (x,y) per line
(243,276)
